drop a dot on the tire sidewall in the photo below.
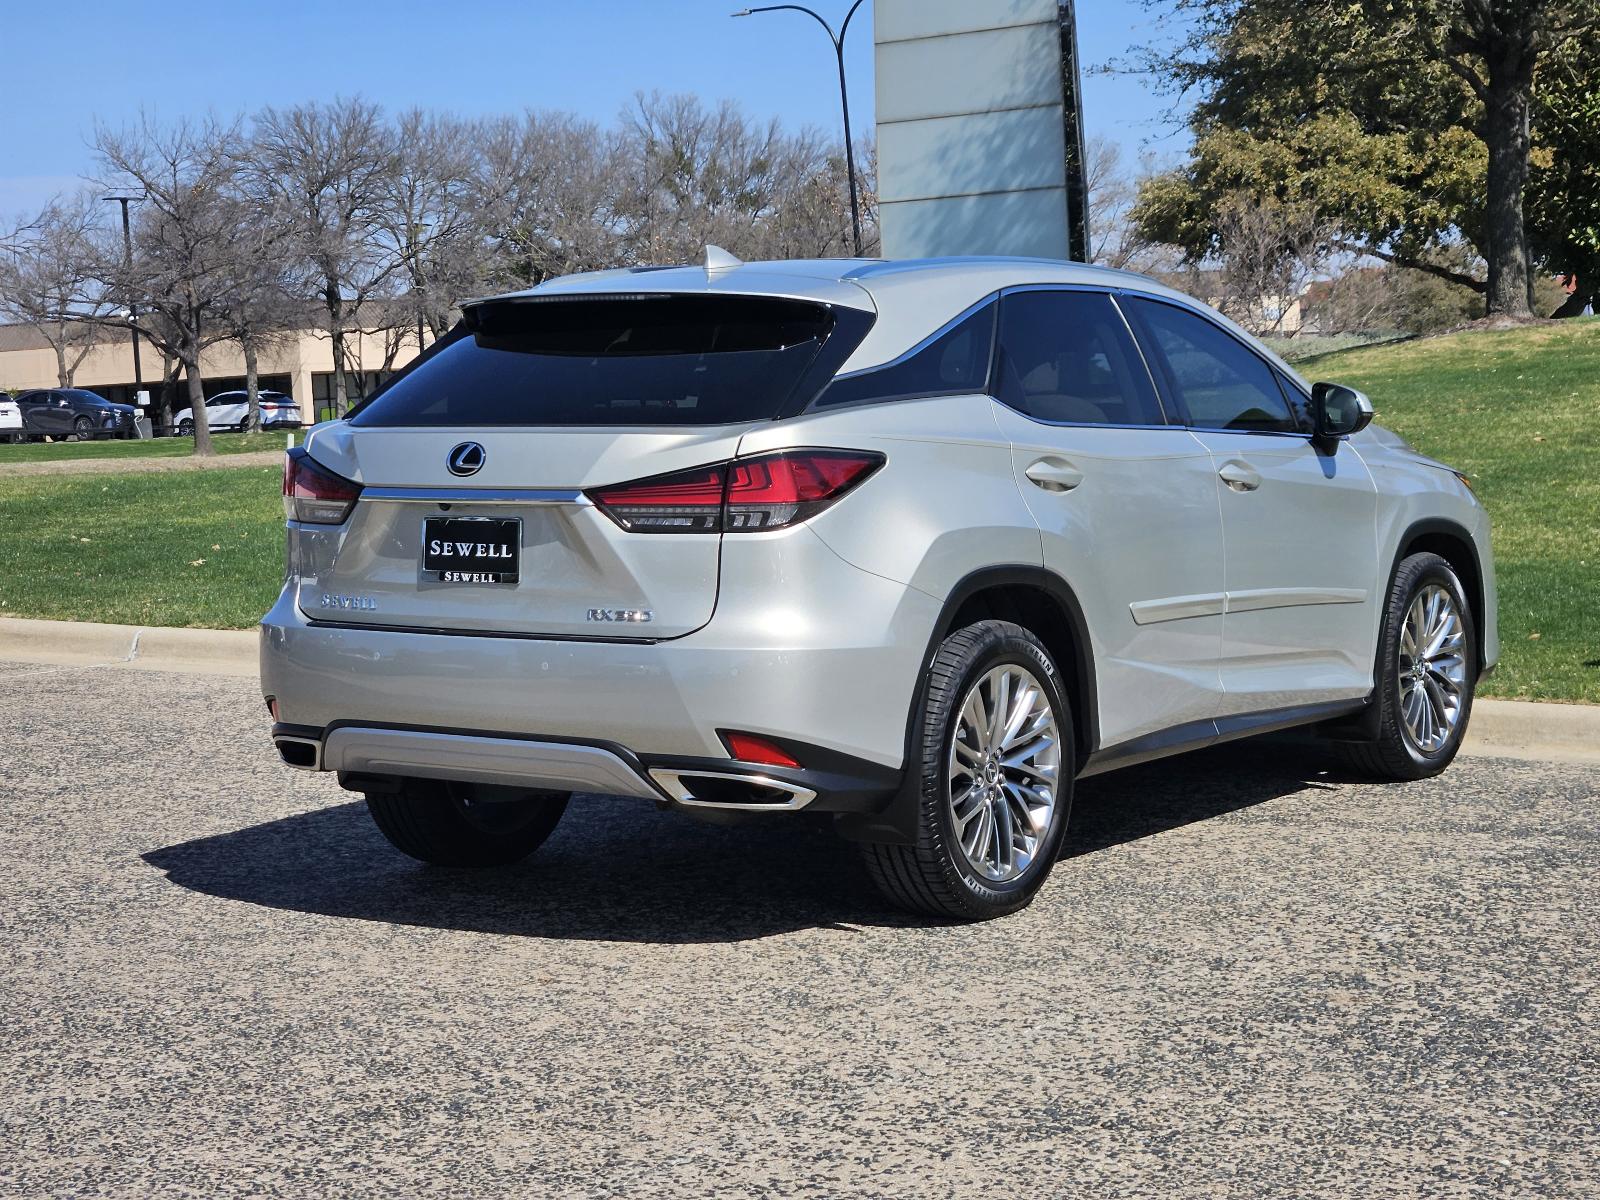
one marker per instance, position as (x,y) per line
(1415,574)
(999,645)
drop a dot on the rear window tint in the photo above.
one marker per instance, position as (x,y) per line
(955,362)
(654,360)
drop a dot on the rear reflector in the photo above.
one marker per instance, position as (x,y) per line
(769,491)
(313,494)
(747,747)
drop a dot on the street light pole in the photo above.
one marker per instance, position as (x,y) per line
(844,97)
(133,308)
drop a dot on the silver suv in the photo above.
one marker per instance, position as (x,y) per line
(915,544)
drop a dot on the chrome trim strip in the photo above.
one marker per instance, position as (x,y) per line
(457,495)
(672,779)
(559,766)
(1177,608)
(1256,599)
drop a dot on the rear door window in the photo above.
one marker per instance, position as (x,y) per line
(605,360)
(1066,357)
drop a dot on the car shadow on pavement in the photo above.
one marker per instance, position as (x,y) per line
(619,870)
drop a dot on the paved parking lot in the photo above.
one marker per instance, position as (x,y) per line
(1248,979)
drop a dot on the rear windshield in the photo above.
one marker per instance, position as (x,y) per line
(652,360)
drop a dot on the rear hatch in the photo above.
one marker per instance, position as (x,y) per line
(475,466)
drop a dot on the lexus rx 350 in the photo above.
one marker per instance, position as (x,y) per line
(916,544)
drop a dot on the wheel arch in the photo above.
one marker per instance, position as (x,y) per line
(1043,603)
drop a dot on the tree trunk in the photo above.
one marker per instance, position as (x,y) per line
(169,376)
(335,304)
(197,405)
(63,372)
(252,386)
(1505,132)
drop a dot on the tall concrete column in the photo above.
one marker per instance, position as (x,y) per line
(979,138)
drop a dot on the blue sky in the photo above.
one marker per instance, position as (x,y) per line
(70,64)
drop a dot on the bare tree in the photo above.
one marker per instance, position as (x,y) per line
(549,189)
(330,168)
(1268,252)
(49,279)
(429,214)
(186,261)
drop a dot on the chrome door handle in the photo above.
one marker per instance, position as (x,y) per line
(1240,476)
(1054,475)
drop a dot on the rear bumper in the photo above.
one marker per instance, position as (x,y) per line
(369,758)
(827,657)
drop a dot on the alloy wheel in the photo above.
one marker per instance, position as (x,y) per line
(1433,668)
(1004,759)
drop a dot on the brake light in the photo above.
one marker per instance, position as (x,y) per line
(768,491)
(314,495)
(747,747)
(687,502)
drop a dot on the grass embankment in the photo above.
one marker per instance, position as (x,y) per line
(168,447)
(1519,412)
(201,549)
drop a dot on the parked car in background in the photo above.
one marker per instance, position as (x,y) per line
(10,419)
(916,544)
(228,410)
(73,413)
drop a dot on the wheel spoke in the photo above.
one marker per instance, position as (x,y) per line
(1005,841)
(1000,704)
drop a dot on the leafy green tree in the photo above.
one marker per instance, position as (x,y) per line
(1564,189)
(1406,123)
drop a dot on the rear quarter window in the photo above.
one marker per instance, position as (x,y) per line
(953,362)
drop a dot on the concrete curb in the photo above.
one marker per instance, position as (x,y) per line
(87,643)
(1500,728)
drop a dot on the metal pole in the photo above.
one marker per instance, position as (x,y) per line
(133,307)
(849,148)
(844,98)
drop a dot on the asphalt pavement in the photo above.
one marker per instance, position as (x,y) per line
(1249,977)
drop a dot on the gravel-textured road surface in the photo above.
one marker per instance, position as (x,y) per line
(1249,979)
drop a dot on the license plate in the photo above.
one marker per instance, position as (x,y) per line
(472,549)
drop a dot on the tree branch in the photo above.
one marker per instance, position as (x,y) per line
(1415,264)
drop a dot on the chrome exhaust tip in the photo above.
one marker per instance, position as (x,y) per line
(305,754)
(733,790)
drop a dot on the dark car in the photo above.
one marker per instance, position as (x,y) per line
(73,412)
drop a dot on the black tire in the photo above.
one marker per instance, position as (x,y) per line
(465,825)
(185,428)
(934,876)
(1394,754)
(83,429)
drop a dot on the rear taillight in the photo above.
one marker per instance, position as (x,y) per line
(747,495)
(313,494)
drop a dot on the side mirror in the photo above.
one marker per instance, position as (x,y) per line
(1340,410)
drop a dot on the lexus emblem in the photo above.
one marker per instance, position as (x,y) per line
(465,459)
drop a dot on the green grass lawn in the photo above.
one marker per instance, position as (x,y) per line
(1519,412)
(170,447)
(200,548)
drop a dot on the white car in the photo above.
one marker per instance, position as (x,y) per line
(916,544)
(10,420)
(227,410)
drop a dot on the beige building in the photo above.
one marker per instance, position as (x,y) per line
(300,363)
